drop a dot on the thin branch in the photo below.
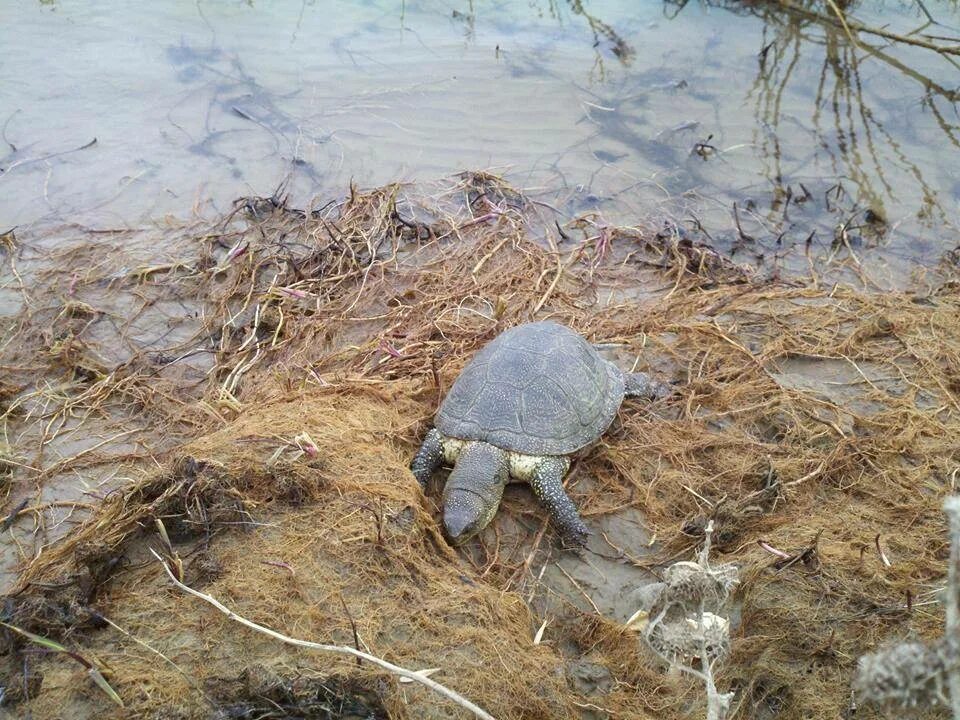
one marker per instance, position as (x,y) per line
(848,25)
(342,650)
(843,21)
(49,156)
(951,507)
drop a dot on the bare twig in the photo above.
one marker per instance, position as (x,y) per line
(3,132)
(49,156)
(852,25)
(339,649)
(951,597)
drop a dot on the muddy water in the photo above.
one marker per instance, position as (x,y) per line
(773,134)
(639,110)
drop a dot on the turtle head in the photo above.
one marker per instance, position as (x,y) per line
(473,490)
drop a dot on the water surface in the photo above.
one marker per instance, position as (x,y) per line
(649,111)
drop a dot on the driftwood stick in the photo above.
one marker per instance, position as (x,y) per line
(340,649)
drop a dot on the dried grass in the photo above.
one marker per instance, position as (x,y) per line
(329,337)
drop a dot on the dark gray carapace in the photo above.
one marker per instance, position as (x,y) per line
(531,397)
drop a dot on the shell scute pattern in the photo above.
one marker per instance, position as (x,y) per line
(543,406)
(495,410)
(466,391)
(589,397)
(538,388)
(515,375)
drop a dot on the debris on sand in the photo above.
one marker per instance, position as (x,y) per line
(260,385)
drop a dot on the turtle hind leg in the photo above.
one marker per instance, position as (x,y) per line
(428,458)
(547,483)
(644,386)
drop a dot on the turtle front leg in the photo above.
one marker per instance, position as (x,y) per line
(428,458)
(547,483)
(644,386)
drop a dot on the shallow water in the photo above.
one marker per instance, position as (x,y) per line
(595,105)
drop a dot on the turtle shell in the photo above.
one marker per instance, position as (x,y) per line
(537,389)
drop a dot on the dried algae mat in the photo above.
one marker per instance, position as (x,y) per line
(816,426)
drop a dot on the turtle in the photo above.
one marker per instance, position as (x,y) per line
(527,401)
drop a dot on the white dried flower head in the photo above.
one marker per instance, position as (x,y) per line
(691,637)
(681,625)
(906,676)
(694,586)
